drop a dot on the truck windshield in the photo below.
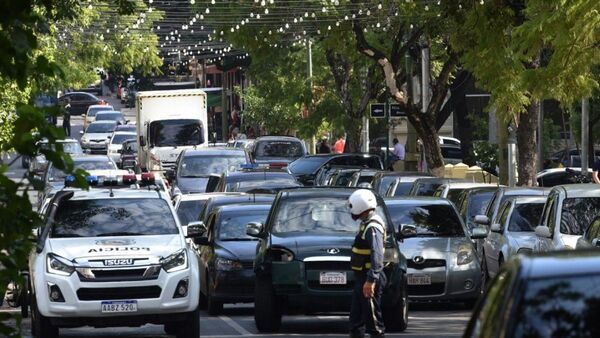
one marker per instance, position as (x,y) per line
(171,133)
(113,217)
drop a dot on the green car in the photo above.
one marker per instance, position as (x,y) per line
(302,263)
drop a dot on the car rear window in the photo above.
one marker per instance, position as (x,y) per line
(306,165)
(93,111)
(113,217)
(189,211)
(525,217)
(101,127)
(194,166)
(427,188)
(577,214)
(232,182)
(565,306)
(429,220)
(285,149)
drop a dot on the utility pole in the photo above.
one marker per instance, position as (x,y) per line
(585,130)
(540,137)
(312,141)
(512,155)
(426,75)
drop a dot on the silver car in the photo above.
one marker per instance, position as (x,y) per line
(512,232)
(441,259)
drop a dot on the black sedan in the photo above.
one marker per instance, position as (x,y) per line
(79,101)
(548,295)
(306,168)
(232,199)
(227,256)
(230,181)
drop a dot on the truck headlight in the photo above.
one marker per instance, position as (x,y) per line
(58,265)
(175,262)
(223,264)
(464,256)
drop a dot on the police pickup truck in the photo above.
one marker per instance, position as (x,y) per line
(114,257)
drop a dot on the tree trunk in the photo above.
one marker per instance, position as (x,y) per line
(428,134)
(527,145)
(353,135)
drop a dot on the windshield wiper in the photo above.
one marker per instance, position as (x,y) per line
(65,235)
(237,239)
(121,233)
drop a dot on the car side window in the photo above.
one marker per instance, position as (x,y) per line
(490,208)
(594,230)
(210,224)
(503,214)
(487,320)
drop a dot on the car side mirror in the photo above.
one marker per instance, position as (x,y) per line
(254,229)
(496,227)
(543,231)
(407,230)
(482,220)
(81,132)
(195,229)
(479,233)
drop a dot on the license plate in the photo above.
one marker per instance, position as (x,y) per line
(119,306)
(332,278)
(419,280)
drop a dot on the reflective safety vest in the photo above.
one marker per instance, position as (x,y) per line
(361,251)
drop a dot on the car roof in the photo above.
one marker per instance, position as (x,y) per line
(441,180)
(257,172)
(124,132)
(317,192)
(579,190)
(277,138)
(404,174)
(213,151)
(532,191)
(101,106)
(467,185)
(529,200)
(72,93)
(107,112)
(86,157)
(205,196)
(242,198)
(243,207)
(105,193)
(104,121)
(560,263)
(416,200)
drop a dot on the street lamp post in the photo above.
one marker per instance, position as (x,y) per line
(512,155)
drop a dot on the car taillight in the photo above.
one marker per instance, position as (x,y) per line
(129,179)
(148,177)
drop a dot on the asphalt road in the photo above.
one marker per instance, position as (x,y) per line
(238,321)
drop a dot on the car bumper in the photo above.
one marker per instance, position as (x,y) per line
(452,283)
(234,286)
(150,301)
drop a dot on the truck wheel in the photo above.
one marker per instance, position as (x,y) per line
(267,308)
(172,328)
(41,326)
(191,327)
(24,301)
(396,317)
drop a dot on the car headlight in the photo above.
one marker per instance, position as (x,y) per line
(58,265)
(84,139)
(224,264)
(175,262)
(464,256)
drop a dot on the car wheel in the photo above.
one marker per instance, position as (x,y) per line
(191,327)
(214,307)
(396,317)
(267,308)
(41,326)
(24,301)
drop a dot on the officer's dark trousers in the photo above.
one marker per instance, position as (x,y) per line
(365,314)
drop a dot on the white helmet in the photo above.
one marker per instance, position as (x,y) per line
(362,200)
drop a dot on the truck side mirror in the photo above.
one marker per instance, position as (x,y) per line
(142,142)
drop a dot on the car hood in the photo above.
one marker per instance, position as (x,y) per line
(432,247)
(524,239)
(308,244)
(82,249)
(238,250)
(189,185)
(96,136)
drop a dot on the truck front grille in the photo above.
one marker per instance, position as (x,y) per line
(139,292)
(119,274)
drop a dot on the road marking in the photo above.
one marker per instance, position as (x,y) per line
(235,326)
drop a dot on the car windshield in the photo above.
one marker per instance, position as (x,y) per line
(113,217)
(577,214)
(188,211)
(126,127)
(232,182)
(317,214)
(108,116)
(131,146)
(286,149)
(565,306)
(429,220)
(478,203)
(306,165)
(170,133)
(93,111)
(95,164)
(194,166)
(525,217)
(232,225)
(101,128)
(120,138)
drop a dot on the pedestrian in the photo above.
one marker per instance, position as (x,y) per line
(66,123)
(595,169)
(367,263)
(323,147)
(399,150)
(339,145)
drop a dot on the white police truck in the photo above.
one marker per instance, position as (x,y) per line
(114,257)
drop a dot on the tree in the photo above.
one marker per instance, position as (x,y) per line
(533,50)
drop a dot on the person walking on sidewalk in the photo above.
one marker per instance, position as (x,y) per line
(66,124)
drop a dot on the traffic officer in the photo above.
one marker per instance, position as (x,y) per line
(367,263)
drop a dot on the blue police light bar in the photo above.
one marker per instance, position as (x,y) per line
(92,179)
(69,180)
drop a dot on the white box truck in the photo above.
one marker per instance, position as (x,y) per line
(168,122)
